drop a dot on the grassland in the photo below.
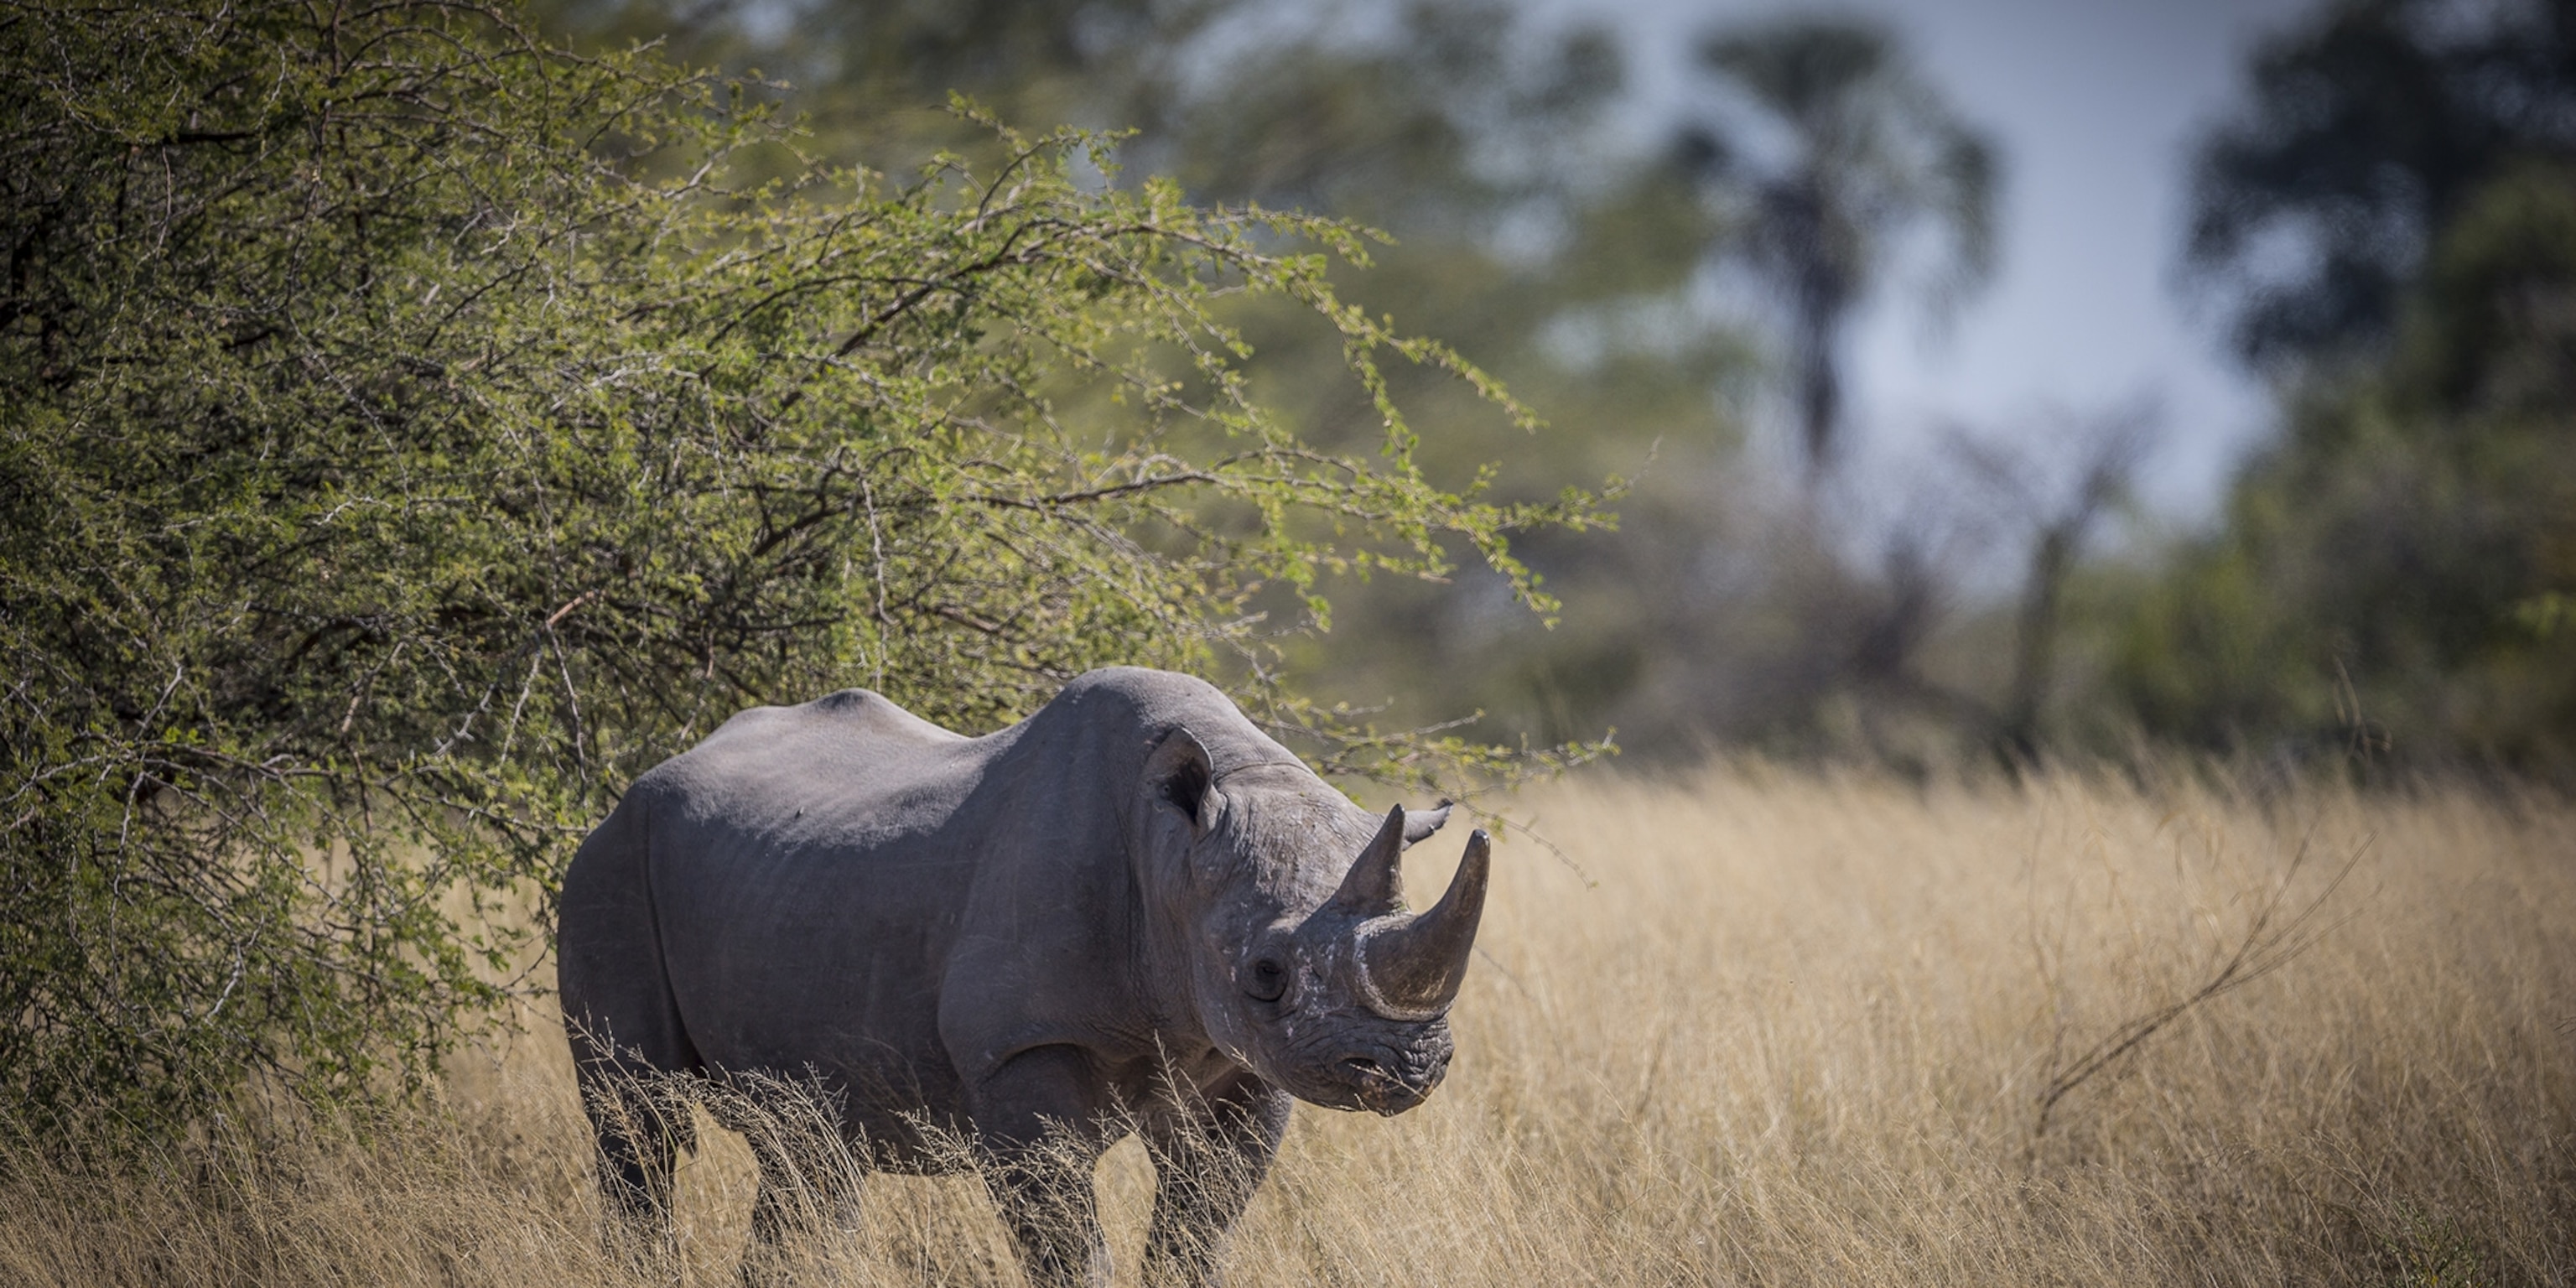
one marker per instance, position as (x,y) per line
(1751,1027)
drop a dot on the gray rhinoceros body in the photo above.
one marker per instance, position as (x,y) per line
(1131,911)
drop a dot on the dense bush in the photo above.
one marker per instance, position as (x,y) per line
(408,432)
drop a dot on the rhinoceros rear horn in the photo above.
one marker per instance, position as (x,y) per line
(1413,968)
(1375,884)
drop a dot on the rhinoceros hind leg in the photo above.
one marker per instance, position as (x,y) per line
(630,1051)
(1209,1156)
(640,1125)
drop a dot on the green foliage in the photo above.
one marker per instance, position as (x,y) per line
(411,430)
(2432,1250)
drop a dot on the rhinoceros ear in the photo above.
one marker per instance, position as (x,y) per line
(1420,823)
(1178,773)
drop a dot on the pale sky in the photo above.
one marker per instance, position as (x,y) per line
(2096,104)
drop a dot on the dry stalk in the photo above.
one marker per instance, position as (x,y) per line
(2270,942)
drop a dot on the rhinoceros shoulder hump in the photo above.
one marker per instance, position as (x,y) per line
(873,712)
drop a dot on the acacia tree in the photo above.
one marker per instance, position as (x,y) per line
(1873,153)
(409,431)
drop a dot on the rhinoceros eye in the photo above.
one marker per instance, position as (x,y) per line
(1267,980)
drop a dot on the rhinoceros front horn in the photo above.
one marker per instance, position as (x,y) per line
(1412,966)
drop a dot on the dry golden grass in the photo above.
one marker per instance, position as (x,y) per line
(1763,1028)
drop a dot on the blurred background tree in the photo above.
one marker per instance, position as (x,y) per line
(2369,129)
(2391,220)
(1872,153)
(2372,222)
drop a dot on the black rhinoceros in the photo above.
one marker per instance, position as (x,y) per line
(1131,911)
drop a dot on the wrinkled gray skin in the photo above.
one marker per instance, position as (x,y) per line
(1131,911)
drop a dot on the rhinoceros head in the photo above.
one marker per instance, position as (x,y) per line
(1305,963)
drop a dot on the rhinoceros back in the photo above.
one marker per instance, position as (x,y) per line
(783,897)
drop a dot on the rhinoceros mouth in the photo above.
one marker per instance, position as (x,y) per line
(1384,1093)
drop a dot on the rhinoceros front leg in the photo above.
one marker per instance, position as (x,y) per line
(1046,1201)
(1037,1131)
(1210,1153)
